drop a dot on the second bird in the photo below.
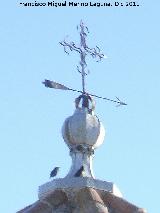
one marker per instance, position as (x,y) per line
(54,172)
(79,172)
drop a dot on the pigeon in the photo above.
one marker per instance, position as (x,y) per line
(54,172)
(79,172)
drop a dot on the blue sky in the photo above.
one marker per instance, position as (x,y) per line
(32,116)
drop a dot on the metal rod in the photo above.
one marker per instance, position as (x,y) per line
(97,96)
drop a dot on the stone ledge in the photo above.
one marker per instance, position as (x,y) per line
(77,183)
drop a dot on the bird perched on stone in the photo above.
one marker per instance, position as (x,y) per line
(79,172)
(54,172)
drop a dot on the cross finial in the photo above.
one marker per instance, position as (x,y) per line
(83,50)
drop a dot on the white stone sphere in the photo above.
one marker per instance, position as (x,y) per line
(83,128)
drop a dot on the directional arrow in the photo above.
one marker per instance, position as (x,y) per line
(55,85)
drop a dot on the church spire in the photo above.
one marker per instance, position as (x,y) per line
(83,131)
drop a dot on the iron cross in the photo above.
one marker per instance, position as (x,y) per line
(83,50)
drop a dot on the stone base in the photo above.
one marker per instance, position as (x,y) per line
(77,183)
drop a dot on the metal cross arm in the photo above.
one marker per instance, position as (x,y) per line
(71,46)
(95,52)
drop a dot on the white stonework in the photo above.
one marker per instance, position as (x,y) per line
(80,159)
(83,128)
(77,183)
(83,133)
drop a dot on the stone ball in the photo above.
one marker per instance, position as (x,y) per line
(83,128)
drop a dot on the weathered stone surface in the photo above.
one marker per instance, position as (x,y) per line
(90,201)
(82,200)
(25,209)
(87,194)
(92,207)
(63,208)
(119,205)
(56,198)
(37,207)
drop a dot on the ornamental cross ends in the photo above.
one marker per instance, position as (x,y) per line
(83,50)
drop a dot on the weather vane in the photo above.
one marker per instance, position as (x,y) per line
(83,50)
